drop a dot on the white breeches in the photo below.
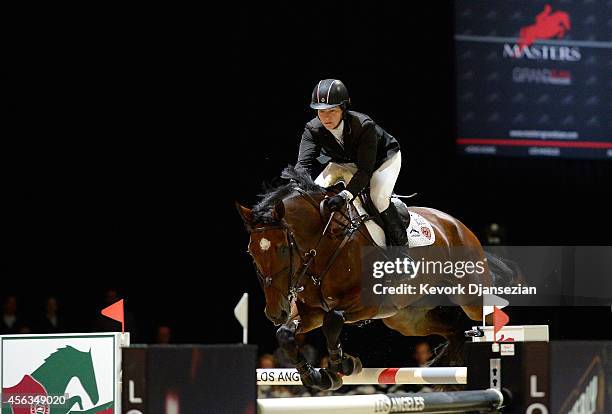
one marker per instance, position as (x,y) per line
(381,184)
(383,181)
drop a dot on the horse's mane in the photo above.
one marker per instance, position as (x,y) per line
(262,211)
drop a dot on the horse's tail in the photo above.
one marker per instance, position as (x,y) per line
(504,272)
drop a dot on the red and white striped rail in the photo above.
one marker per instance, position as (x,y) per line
(437,375)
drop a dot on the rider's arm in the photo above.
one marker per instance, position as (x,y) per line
(366,160)
(309,151)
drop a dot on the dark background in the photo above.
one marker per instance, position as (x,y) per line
(135,138)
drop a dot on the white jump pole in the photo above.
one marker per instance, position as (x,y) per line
(356,404)
(433,402)
(437,375)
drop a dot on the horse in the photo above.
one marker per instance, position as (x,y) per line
(546,26)
(308,263)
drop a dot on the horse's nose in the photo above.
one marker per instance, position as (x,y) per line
(278,319)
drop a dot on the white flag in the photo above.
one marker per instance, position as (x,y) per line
(489,302)
(241,312)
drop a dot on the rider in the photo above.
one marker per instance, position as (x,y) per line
(352,137)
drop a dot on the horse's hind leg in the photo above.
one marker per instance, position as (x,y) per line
(339,362)
(311,377)
(424,321)
(448,321)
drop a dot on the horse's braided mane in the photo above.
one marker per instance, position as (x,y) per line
(292,178)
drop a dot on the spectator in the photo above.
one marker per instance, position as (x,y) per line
(267,361)
(10,322)
(422,353)
(495,235)
(51,322)
(164,335)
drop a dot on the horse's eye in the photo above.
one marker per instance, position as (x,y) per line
(284,250)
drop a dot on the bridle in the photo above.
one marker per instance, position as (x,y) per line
(266,281)
(295,278)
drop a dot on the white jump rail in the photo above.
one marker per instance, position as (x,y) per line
(437,375)
(516,333)
(433,402)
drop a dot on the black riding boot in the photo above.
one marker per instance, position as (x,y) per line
(394,227)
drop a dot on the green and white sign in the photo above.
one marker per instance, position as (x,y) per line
(59,374)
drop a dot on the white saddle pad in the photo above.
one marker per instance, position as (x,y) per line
(420,231)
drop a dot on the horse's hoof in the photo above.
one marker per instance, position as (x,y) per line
(315,379)
(322,380)
(335,366)
(351,365)
(331,380)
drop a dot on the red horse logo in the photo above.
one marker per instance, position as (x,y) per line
(547,25)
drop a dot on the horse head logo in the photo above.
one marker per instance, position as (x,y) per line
(547,26)
(61,367)
(52,378)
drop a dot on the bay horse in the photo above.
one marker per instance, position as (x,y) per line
(309,265)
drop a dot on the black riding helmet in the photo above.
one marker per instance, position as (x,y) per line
(329,93)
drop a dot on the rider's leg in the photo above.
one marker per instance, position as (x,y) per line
(381,188)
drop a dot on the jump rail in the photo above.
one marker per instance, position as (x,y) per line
(437,375)
(433,402)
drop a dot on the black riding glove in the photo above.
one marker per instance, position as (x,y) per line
(336,202)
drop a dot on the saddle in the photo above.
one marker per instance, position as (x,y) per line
(420,231)
(370,209)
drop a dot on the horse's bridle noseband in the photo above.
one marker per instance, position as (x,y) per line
(292,287)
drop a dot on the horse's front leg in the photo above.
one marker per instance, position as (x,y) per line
(339,362)
(311,377)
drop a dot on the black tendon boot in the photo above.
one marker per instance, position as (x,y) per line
(394,227)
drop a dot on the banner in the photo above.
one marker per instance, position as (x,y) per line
(533,78)
(61,373)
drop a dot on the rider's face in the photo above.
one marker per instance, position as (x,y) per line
(330,118)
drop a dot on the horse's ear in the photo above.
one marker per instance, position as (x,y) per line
(245,213)
(279,211)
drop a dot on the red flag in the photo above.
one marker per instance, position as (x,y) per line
(500,319)
(115,311)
